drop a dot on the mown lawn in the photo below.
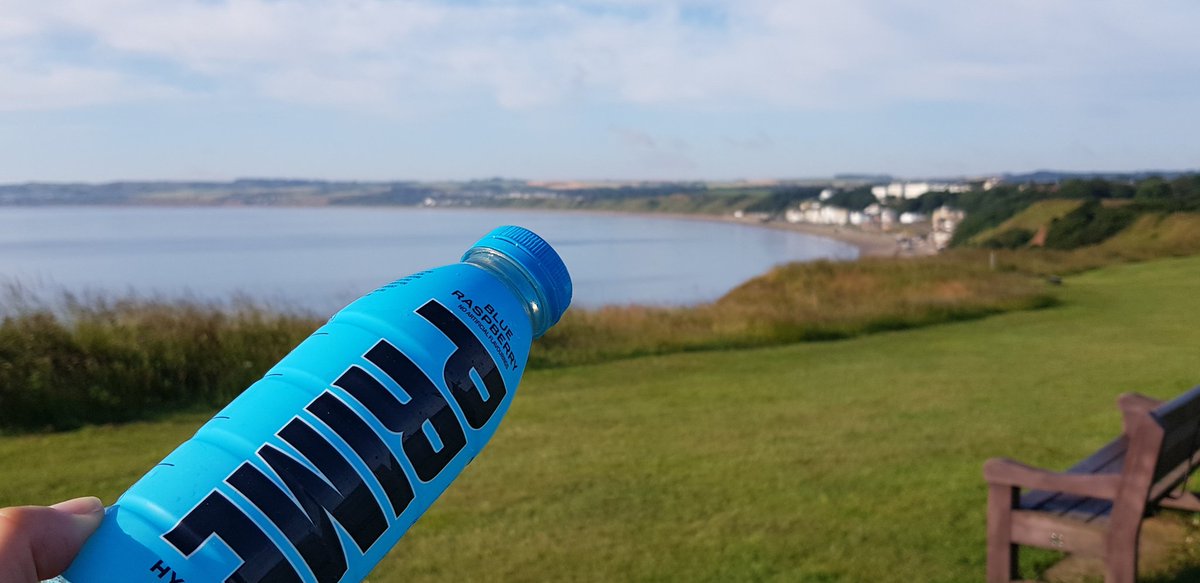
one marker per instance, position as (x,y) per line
(855,460)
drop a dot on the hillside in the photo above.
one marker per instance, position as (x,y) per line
(1035,217)
(1157,235)
(1151,235)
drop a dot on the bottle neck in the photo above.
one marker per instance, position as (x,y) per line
(516,279)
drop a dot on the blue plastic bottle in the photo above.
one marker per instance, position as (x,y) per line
(315,471)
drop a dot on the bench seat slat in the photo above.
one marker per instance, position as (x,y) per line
(1107,460)
(1068,505)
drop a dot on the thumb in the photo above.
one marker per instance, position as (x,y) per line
(38,542)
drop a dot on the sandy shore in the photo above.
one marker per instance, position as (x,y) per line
(869,243)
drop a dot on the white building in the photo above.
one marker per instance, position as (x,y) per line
(813,212)
(910,190)
(877,216)
(834,215)
(761,217)
(912,218)
(945,221)
(887,218)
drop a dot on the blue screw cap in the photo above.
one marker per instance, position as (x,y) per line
(539,260)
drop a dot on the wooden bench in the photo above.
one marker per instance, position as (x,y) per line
(1096,507)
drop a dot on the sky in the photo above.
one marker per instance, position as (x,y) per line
(100,90)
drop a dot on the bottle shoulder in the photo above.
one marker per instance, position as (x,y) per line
(468,290)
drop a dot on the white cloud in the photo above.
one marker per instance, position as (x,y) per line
(754,142)
(69,87)
(415,54)
(635,138)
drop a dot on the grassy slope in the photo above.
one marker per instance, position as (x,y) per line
(1036,216)
(843,461)
(1158,234)
(1151,236)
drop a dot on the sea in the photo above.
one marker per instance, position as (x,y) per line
(316,260)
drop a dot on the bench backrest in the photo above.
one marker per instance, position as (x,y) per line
(1179,419)
(1162,444)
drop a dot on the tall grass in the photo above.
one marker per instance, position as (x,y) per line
(110,360)
(797,302)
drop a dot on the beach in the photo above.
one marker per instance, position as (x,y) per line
(869,243)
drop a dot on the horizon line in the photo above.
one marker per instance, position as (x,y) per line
(840,176)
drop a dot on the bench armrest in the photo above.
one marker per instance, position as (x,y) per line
(1137,403)
(1134,406)
(1003,471)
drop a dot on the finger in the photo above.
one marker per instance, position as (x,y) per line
(38,542)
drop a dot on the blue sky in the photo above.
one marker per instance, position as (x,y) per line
(100,90)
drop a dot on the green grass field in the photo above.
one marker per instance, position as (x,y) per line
(855,460)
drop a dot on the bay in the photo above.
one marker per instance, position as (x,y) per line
(318,259)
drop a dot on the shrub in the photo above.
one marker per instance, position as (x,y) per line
(1010,239)
(1089,224)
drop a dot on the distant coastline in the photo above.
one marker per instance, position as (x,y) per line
(868,243)
(681,200)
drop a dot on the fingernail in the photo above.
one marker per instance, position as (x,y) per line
(81,506)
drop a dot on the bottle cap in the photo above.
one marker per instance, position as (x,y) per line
(539,260)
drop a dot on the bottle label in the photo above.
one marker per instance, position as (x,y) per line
(492,324)
(314,493)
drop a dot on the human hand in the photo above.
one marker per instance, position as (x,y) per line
(39,542)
